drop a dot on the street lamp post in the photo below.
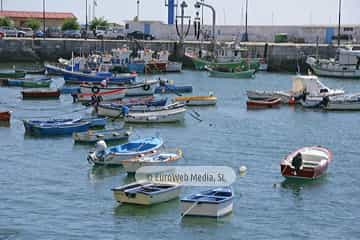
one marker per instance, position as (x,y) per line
(44,24)
(86,19)
(138,10)
(339,25)
(246,22)
(198,5)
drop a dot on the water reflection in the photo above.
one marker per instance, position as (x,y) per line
(101,172)
(208,222)
(142,210)
(298,185)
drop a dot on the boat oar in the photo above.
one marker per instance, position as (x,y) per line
(189,209)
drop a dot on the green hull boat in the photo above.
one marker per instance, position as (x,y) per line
(236,74)
(201,63)
(12,74)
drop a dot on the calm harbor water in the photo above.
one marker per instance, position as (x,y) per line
(49,191)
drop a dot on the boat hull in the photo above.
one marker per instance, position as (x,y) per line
(5,116)
(39,130)
(173,67)
(78,77)
(147,199)
(165,116)
(197,100)
(243,74)
(106,135)
(271,103)
(207,209)
(40,94)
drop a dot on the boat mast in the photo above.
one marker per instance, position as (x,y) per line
(339,25)
(246,22)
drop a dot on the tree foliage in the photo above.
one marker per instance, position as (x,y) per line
(32,23)
(98,22)
(70,24)
(6,22)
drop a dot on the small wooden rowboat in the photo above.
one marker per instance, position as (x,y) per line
(104,155)
(5,116)
(163,157)
(107,135)
(40,94)
(146,193)
(101,96)
(212,203)
(306,163)
(12,74)
(197,100)
(268,103)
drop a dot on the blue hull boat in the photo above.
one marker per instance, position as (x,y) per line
(115,155)
(79,77)
(216,202)
(69,90)
(62,126)
(53,69)
(55,127)
(169,88)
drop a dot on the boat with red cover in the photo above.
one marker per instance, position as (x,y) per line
(5,116)
(306,163)
(266,103)
(40,94)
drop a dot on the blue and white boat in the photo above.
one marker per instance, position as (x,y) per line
(170,88)
(216,202)
(62,126)
(79,77)
(146,193)
(115,155)
(51,69)
(55,127)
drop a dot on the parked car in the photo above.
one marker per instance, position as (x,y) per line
(88,34)
(28,32)
(109,33)
(53,33)
(39,34)
(140,35)
(12,32)
(71,34)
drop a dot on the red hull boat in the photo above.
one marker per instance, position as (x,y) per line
(38,94)
(155,67)
(5,116)
(268,103)
(306,163)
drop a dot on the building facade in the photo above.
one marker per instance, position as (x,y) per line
(52,19)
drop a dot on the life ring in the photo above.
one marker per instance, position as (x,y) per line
(95,89)
(146,87)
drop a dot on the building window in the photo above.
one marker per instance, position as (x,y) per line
(348,29)
(127,26)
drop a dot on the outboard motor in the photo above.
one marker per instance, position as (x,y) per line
(297,162)
(100,148)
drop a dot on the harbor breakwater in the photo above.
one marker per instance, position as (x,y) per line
(280,56)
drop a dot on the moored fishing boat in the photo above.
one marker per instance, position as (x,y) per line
(159,158)
(306,163)
(231,73)
(109,95)
(30,82)
(165,88)
(134,89)
(115,155)
(107,135)
(216,202)
(267,103)
(342,103)
(56,127)
(173,66)
(197,100)
(146,193)
(41,94)
(12,74)
(5,116)
(167,114)
(116,109)
(263,95)
(52,69)
(98,77)
(31,69)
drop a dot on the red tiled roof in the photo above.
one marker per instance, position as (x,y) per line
(28,14)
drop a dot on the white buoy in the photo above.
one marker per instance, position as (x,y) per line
(242,170)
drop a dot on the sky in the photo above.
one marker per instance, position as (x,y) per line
(260,12)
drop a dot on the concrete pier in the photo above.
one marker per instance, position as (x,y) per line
(280,57)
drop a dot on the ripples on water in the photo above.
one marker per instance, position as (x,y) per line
(48,190)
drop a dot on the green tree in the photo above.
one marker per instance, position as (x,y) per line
(6,22)
(98,22)
(70,24)
(32,23)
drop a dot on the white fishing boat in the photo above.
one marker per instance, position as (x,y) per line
(212,203)
(146,193)
(342,103)
(107,135)
(160,158)
(104,95)
(346,65)
(167,114)
(163,56)
(104,155)
(311,102)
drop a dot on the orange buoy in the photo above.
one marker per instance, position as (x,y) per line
(292,101)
